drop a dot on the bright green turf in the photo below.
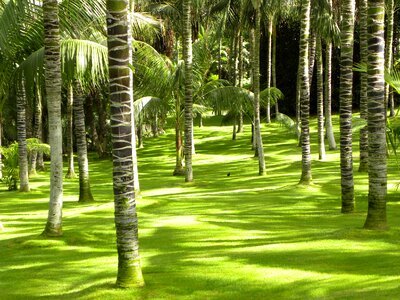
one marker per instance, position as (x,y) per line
(237,237)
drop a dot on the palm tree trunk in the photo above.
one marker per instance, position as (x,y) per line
(39,164)
(320,100)
(346,88)
(273,66)
(52,66)
(126,221)
(256,85)
(377,167)
(311,58)
(21,132)
(70,132)
(269,66)
(1,137)
(306,177)
(389,50)
(328,97)
(179,170)
(363,8)
(85,194)
(187,57)
(240,78)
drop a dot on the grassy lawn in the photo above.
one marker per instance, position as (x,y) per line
(237,237)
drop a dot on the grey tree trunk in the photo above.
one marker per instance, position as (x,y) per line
(304,84)
(346,97)
(187,57)
(269,65)
(363,9)
(377,166)
(320,100)
(21,133)
(256,85)
(70,132)
(85,194)
(126,221)
(328,97)
(52,66)
(389,51)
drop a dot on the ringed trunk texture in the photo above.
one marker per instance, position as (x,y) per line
(363,8)
(320,100)
(304,86)
(346,97)
(22,147)
(85,194)
(377,166)
(52,65)
(389,50)
(187,57)
(70,132)
(256,85)
(126,221)
(328,97)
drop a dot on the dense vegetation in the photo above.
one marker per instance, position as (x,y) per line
(130,87)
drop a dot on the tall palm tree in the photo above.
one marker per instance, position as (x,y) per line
(126,221)
(70,131)
(320,100)
(187,57)
(52,64)
(21,130)
(346,86)
(363,9)
(306,177)
(377,165)
(85,194)
(256,87)
(389,50)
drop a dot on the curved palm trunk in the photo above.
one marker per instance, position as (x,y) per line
(187,57)
(85,194)
(363,8)
(305,93)
(126,222)
(21,130)
(256,85)
(320,100)
(53,93)
(389,51)
(377,167)
(70,132)
(346,86)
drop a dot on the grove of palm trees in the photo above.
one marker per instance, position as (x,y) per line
(199,149)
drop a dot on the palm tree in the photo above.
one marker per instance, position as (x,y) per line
(126,221)
(256,86)
(363,9)
(377,165)
(70,130)
(389,50)
(21,129)
(306,177)
(187,57)
(320,100)
(52,64)
(85,194)
(346,86)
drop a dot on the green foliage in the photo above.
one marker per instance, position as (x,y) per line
(10,160)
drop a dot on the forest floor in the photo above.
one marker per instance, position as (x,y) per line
(221,237)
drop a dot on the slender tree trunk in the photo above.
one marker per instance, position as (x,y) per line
(311,57)
(377,166)
(273,67)
(126,221)
(179,170)
(52,66)
(269,66)
(328,97)
(102,132)
(1,137)
(346,97)
(21,130)
(85,194)
(187,56)
(363,8)
(256,85)
(389,50)
(306,177)
(320,100)
(39,129)
(70,132)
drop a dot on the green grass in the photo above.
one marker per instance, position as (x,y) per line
(237,237)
